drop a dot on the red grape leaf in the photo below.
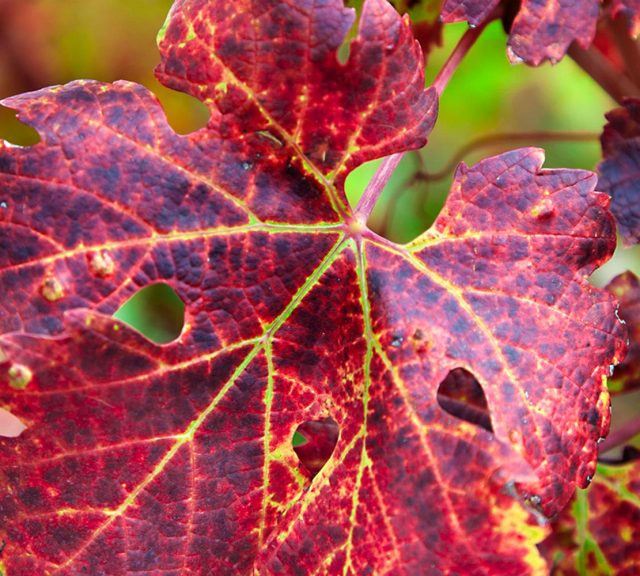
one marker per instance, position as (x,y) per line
(425,20)
(620,169)
(541,30)
(626,288)
(140,457)
(598,533)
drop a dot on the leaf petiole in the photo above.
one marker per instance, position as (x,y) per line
(457,55)
(389,164)
(376,186)
(598,67)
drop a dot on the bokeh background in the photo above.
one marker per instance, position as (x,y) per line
(45,42)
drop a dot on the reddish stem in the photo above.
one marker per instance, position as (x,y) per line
(614,83)
(376,185)
(383,173)
(620,436)
(459,52)
(492,139)
(627,48)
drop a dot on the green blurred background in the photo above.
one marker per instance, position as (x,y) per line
(44,42)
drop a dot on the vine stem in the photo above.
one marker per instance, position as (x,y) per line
(627,48)
(459,52)
(614,83)
(390,163)
(486,141)
(376,186)
(500,138)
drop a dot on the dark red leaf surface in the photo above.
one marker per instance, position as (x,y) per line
(598,533)
(620,170)
(178,458)
(626,288)
(541,30)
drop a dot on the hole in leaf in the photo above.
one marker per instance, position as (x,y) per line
(408,204)
(14,131)
(345,48)
(357,181)
(10,425)
(155,311)
(185,113)
(314,441)
(461,395)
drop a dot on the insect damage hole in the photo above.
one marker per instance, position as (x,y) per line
(408,205)
(314,442)
(462,396)
(15,132)
(344,50)
(155,311)
(10,426)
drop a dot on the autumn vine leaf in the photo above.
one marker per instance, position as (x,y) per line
(620,169)
(427,24)
(178,458)
(540,31)
(597,533)
(425,20)
(626,288)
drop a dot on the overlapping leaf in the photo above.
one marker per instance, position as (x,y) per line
(626,288)
(178,458)
(620,170)
(543,30)
(425,20)
(598,533)
(425,17)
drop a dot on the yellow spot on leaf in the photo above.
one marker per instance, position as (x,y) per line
(516,520)
(19,376)
(51,289)
(515,437)
(544,209)
(101,264)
